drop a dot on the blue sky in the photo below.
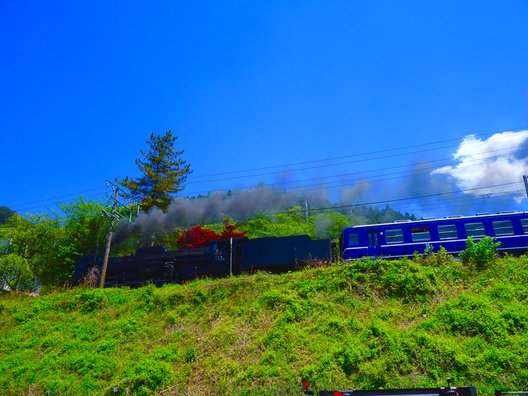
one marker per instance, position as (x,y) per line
(252,88)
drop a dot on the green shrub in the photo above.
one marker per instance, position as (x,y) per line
(148,375)
(431,258)
(90,300)
(408,280)
(191,355)
(473,315)
(480,254)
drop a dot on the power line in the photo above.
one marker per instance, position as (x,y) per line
(316,167)
(408,172)
(337,183)
(345,156)
(451,160)
(379,177)
(24,206)
(45,202)
(57,197)
(467,201)
(373,203)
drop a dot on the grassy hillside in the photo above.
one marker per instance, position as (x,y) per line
(351,325)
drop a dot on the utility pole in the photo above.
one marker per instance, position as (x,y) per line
(112,217)
(525,178)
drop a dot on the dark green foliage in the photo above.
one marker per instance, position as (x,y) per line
(51,244)
(404,279)
(481,253)
(15,273)
(5,213)
(409,280)
(322,224)
(473,315)
(90,300)
(147,375)
(163,173)
(330,224)
(291,222)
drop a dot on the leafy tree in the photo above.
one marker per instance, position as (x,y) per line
(52,244)
(34,240)
(291,222)
(168,239)
(480,254)
(198,236)
(84,227)
(164,173)
(330,224)
(15,273)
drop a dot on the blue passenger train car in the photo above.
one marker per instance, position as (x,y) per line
(402,239)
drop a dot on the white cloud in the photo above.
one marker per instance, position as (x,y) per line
(497,160)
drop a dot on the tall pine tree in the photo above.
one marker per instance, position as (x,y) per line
(164,173)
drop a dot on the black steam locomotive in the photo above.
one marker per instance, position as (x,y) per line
(220,258)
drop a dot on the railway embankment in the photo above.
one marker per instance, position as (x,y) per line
(359,325)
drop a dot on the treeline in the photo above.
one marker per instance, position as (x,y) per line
(5,213)
(40,250)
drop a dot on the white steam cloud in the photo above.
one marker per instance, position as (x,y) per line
(488,166)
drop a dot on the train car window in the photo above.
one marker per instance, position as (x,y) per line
(524,223)
(353,239)
(394,236)
(503,227)
(447,231)
(420,234)
(475,229)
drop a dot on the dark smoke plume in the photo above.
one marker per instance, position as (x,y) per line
(215,207)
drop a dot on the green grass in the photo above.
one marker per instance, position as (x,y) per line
(366,324)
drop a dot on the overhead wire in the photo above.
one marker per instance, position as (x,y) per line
(412,171)
(54,201)
(383,176)
(454,202)
(385,201)
(451,160)
(322,163)
(344,156)
(314,167)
